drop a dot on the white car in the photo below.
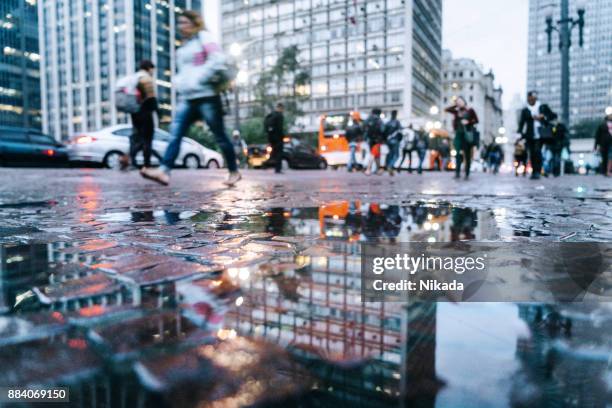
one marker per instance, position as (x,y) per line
(106,147)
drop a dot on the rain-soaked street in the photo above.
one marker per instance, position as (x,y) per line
(136,295)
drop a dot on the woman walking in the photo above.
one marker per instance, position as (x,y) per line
(464,121)
(202,68)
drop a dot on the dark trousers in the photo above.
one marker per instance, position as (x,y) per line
(535,155)
(465,154)
(142,138)
(604,150)
(277,155)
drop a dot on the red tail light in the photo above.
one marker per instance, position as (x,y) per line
(49,152)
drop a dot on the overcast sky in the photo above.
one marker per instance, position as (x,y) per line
(494,33)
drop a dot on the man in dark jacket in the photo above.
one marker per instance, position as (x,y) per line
(393,134)
(603,141)
(534,117)
(274,126)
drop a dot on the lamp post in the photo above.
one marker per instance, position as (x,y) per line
(564,27)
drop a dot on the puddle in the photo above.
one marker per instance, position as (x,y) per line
(159,216)
(195,291)
(29,204)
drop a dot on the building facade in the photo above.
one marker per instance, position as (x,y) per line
(87,45)
(19,64)
(379,53)
(464,77)
(590,65)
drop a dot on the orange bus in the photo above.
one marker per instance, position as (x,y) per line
(332,141)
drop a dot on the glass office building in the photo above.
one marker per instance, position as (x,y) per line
(379,53)
(87,45)
(19,59)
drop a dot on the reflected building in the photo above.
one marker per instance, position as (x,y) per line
(375,352)
(385,54)
(19,64)
(87,46)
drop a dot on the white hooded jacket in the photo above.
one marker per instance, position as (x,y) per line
(200,64)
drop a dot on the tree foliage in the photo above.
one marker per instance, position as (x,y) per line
(585,128)
(287,82)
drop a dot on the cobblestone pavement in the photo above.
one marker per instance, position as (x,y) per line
(132,293)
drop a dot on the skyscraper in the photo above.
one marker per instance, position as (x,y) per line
(379,53)
(87,45)
(590,66)
(19,59)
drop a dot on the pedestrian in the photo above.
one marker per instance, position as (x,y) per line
(354,136)
(143,121)
(274,125)
(393,136)
(520,157)
(555,147)
(444,151)
(495,157)
(464,122)
(603,141)
(421,144)
(374,131)
(534,126)
(240,148)
(408,146)
(203,71)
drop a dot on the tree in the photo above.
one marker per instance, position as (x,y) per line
(585,129)
(287,82)
(200,133)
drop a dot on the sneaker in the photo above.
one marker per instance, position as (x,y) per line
(233,178)
(155,175)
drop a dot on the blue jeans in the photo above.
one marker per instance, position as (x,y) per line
(421,154)
(393,154)
(353,156)
(211,110)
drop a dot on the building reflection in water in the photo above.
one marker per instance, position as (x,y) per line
(374,352)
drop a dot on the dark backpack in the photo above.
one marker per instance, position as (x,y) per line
(269,124)
(373,130)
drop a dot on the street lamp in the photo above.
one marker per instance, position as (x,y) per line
(564,27)
(434,110)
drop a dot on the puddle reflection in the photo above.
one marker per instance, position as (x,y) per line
(276,294)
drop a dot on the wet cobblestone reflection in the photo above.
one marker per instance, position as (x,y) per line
(156,297)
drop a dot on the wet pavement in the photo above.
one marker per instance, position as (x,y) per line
(199,295)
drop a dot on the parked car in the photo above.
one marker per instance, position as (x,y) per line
(257,155)
(296,155)
(21,146)
(106,147)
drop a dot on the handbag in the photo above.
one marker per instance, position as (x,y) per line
(546,134)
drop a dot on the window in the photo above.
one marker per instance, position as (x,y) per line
(162,135)
(42,139)
(126,132)
(13,135)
